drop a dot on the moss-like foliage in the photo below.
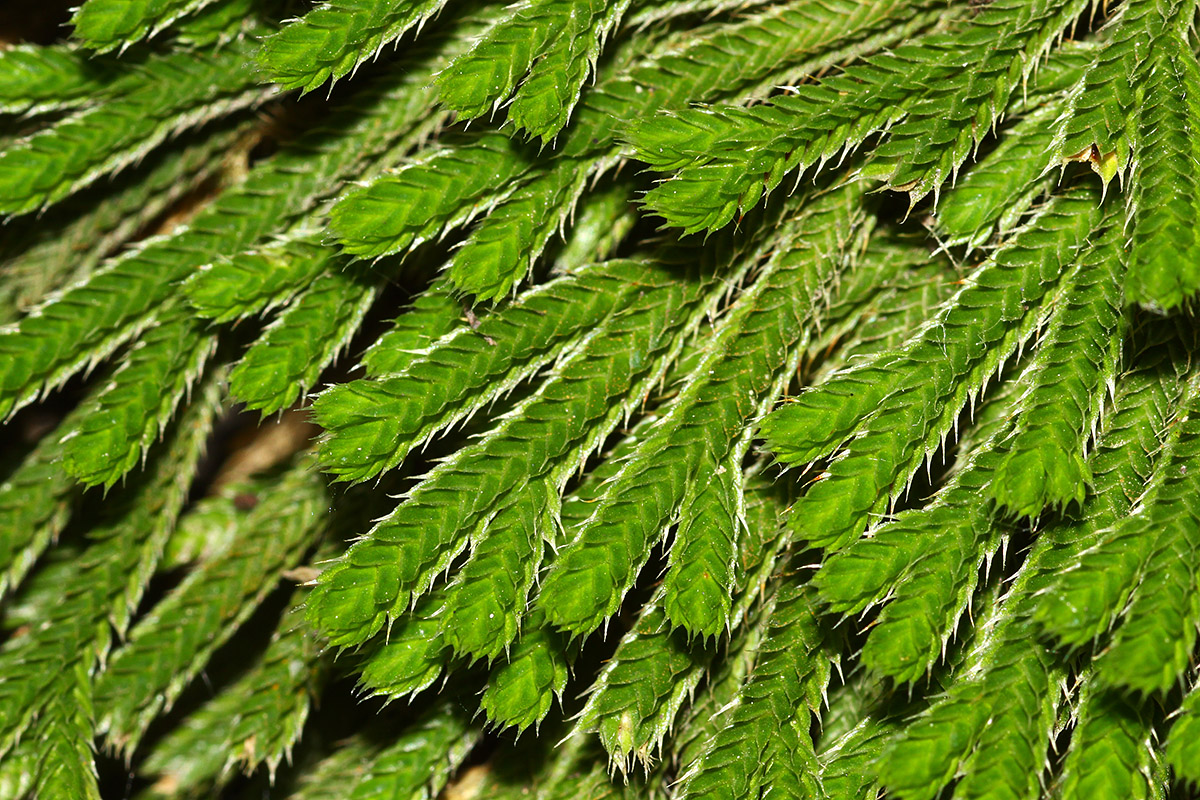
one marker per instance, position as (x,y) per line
(726,399)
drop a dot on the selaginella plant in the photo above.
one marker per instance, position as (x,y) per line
(712,399)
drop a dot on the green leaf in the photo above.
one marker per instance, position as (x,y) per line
(104,25)
(331,40)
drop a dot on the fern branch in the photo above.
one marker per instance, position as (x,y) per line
(104,25)
(134,408)
(121,297)
(37,80)
(172,643)
(288,358)
(786,687)
(763,328)
(560,423)
(372,425)
(904,403)
(1164,192)
(107,583)
(331,40)
(162,98)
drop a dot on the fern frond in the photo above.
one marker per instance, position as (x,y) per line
(104,25)
(996,192)
(256,281)
(786,687)
(543,103)
(421,760)
(1076,365)
(1164,193)
(35,503)
(522,688)
(285,363)
(119,298)
(993,724)
(373,424)
(133,409)
(731,61)
(1111,751)
(1183,744)
(763,329)
(903,403)
(167,96)
(1152,646)
(1100,122)
(172,643)
(635,700)
(732,157)
(215,25)
(256,720)
(555,427)
(413,655)
(487,599)
(1086,599)
(37,80)
(502,249)
(435,313)
(442,189)
(105,585)
(331,40)
(41,259)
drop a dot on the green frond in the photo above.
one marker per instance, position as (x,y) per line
(1163,193)
(420,761)
(994,724)
(488,597)
(1151,648)
(769,725)
(443,189)
(104,586)
(843,443)
(256,281)
(1085,600)
(1064,390)
(412,657)
(763,329)
(902,404)
(286,361)
(939,131)
(543,103)
(120,297)
(123,420)
(372,425)
(733,61)
(503,247)
(525,683)
(435,313)
(256,720)
(1000,189)
(484,76)
(172,643)
(556,427)
(334,38)
(732,157)
(1100,122)
(78,234)
(104,25)
(156,100)
(38,80)
(35,503)
(215,25)
(1182,745)
(636,700)
(1111,751)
